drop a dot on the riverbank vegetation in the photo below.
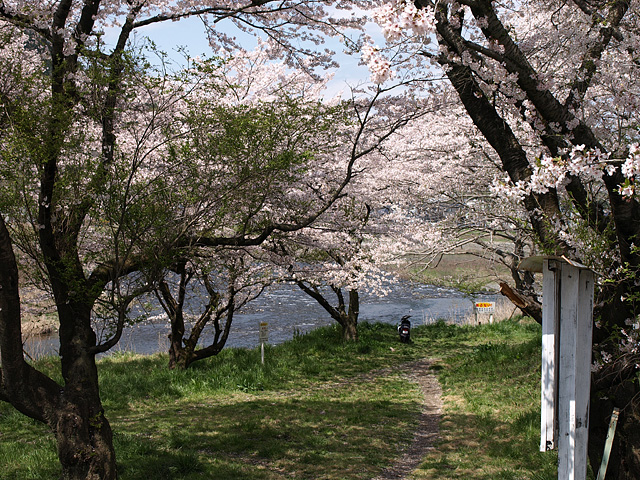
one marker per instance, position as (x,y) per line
(317,408)
(466,272)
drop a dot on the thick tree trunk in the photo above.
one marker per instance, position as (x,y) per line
(543,209)
(74,411)
(85,443)
(350,330)
(83,434)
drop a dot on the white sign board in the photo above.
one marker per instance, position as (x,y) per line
(485,307)
(264,332)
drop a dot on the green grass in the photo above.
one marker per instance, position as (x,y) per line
(491,423)
(318,409)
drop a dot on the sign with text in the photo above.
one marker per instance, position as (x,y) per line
(485,307)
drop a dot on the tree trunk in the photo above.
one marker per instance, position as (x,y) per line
(74,411)
(350,319)
(350,330)
(85,443)
(543,209)
(345,315)
(183,351)
(174,307)
(177,356)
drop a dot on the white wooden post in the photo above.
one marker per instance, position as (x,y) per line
(574,374)
(567,322)
(550,329)
(264,337)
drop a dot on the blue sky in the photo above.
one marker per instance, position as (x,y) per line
(190,33)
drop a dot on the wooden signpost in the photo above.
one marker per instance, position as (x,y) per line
(567,322)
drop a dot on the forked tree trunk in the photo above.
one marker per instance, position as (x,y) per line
(174,307)
(183,347)
(345,314)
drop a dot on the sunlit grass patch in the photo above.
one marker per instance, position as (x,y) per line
(319,408)
(27,449)
(490,427)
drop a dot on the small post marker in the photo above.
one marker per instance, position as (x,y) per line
(607,446)
(264,337)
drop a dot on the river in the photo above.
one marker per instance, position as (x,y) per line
(287,309)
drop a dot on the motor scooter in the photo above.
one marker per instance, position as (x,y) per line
(404,329)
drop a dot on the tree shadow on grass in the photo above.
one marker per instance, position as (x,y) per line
(145,461)
(265,439)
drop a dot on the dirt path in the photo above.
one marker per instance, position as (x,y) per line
(428,427)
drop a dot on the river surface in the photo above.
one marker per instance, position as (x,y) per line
(287,310)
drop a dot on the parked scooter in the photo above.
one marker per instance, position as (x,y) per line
(404,329)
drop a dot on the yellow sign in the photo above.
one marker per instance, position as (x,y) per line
(485,307)
(484,304)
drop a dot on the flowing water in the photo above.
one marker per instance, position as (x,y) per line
(288,310)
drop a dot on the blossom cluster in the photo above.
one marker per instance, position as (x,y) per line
(379,66)
(589,164)
(396,19)
(631,170)
(553,172)
(396,16)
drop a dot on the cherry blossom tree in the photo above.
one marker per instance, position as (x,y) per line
(328,260)
(551,87)
(445,174)
(349,248)
(260,151)
(207,292)
(80,126)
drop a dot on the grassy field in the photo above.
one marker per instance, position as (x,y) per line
(317,409)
